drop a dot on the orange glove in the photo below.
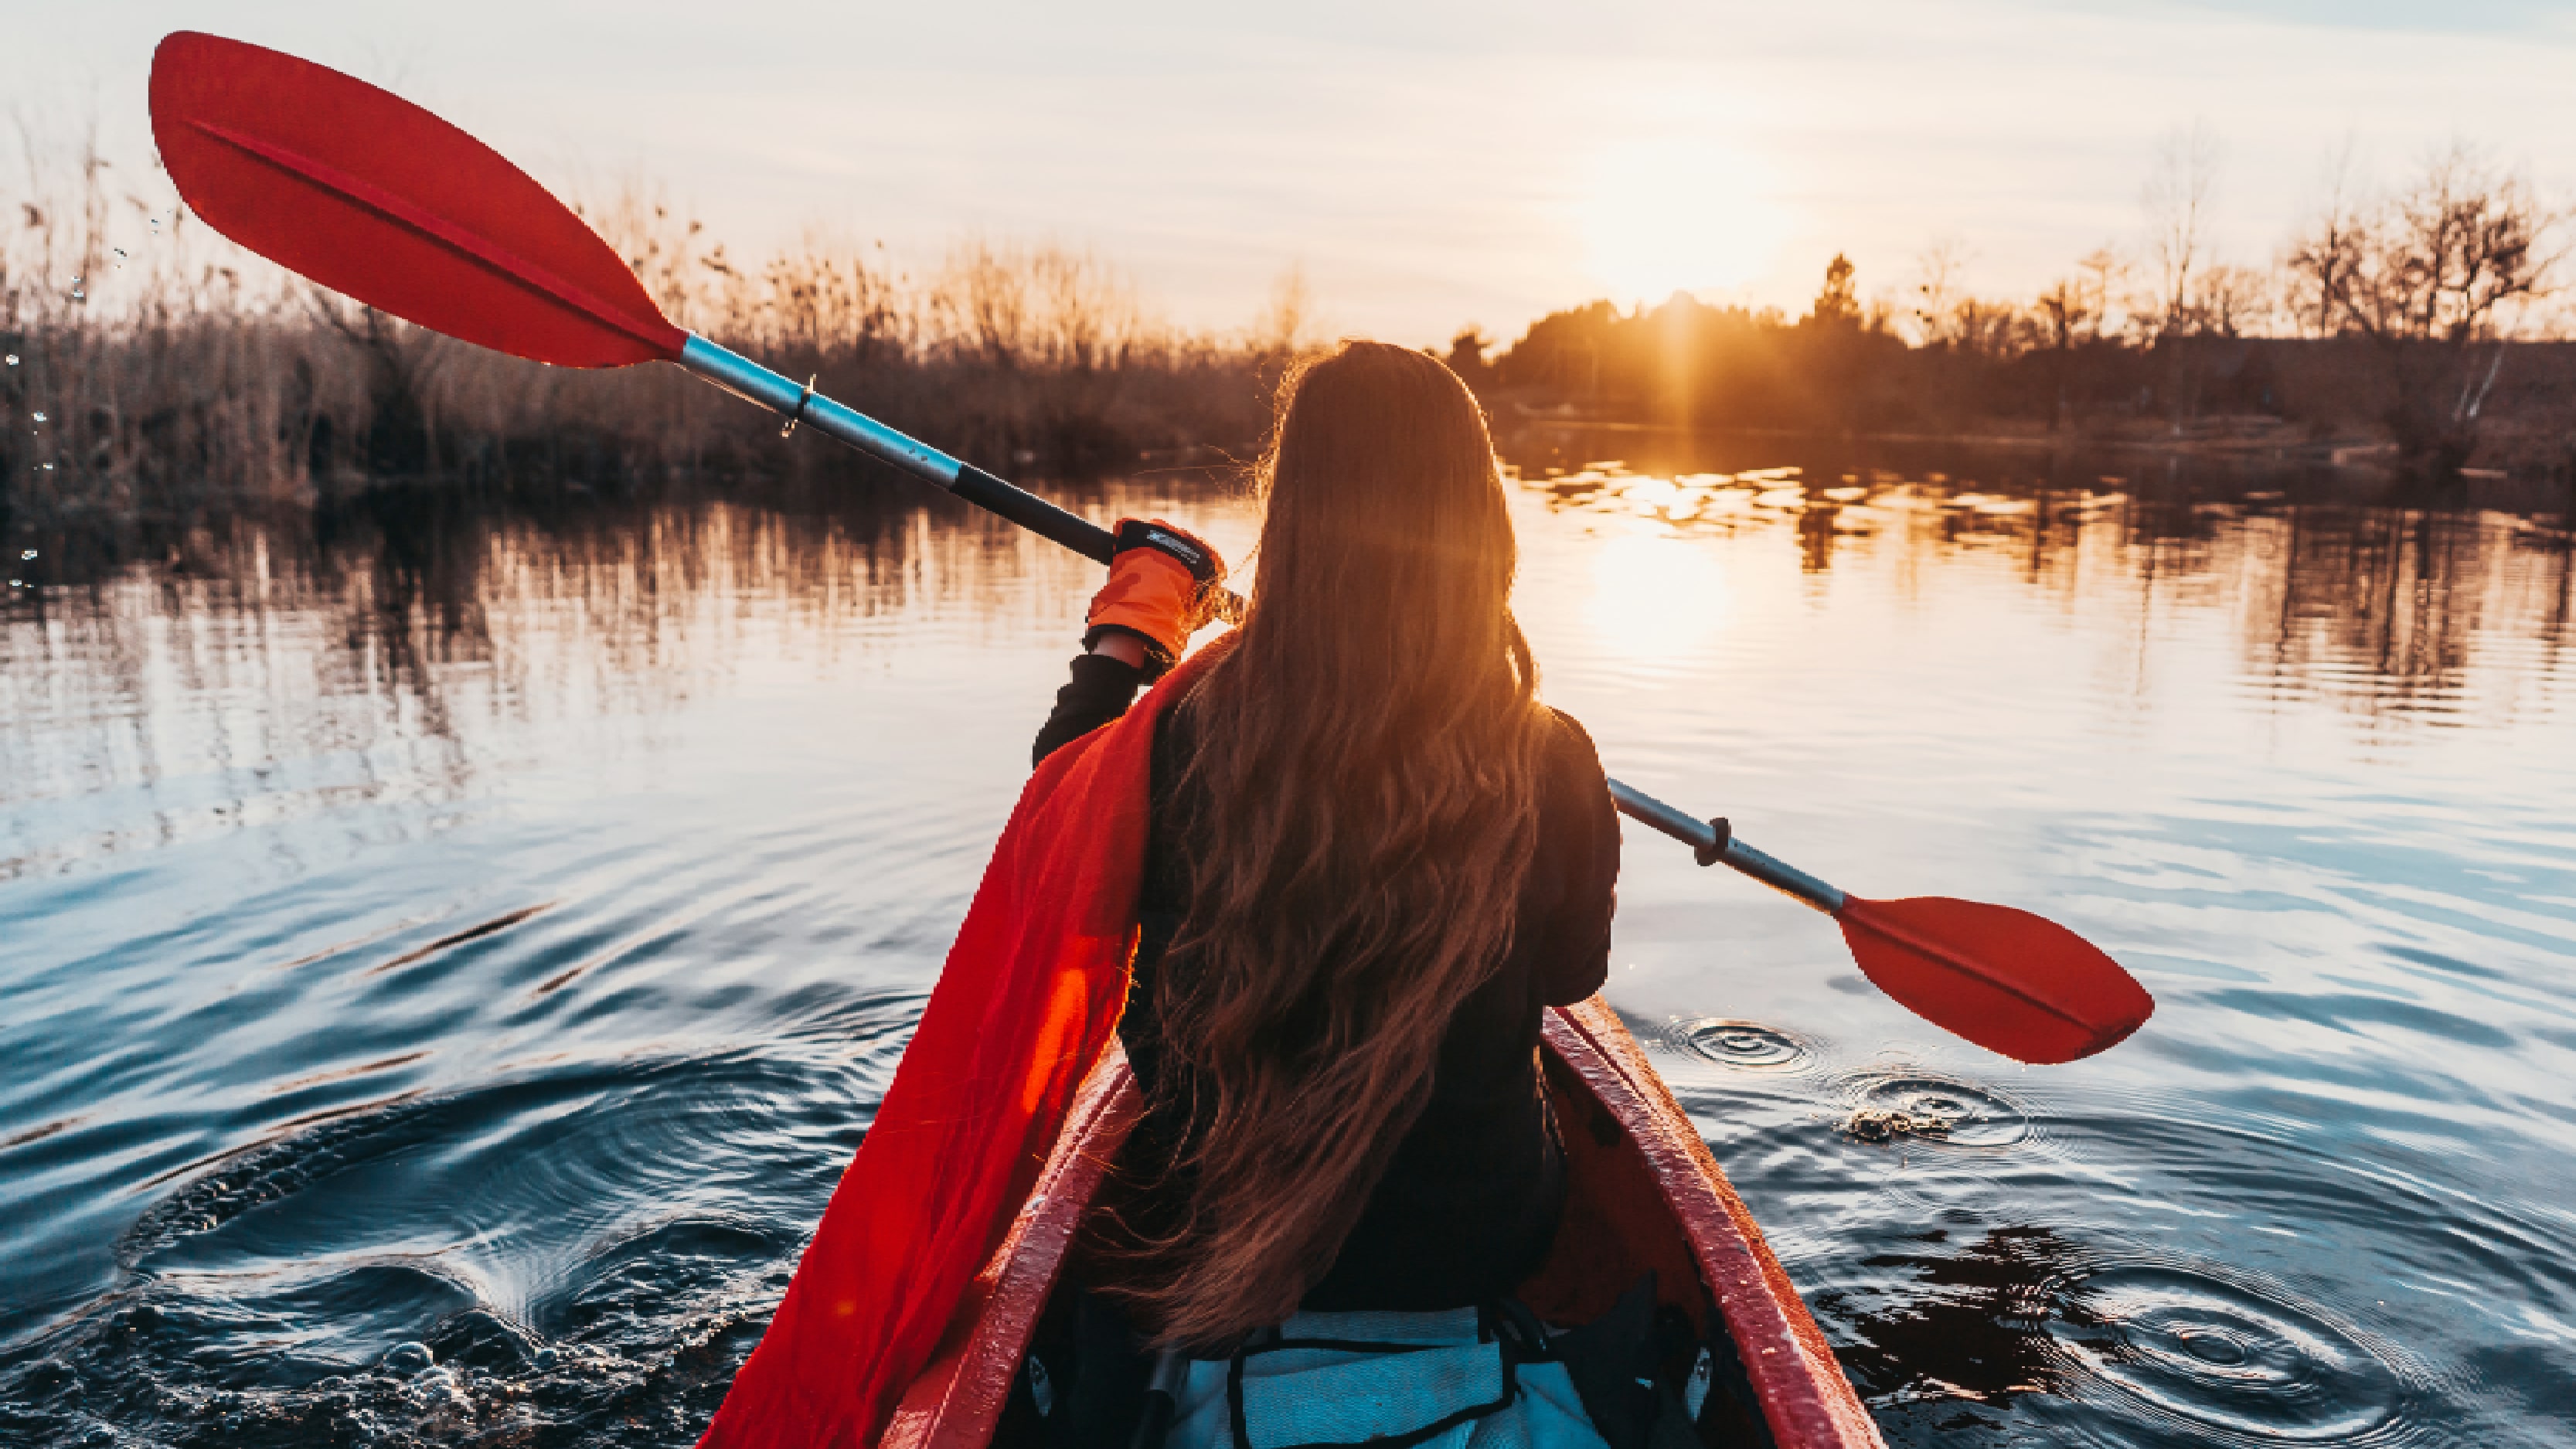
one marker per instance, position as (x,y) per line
(1162,587)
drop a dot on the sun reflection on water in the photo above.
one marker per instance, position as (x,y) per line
(1656,595)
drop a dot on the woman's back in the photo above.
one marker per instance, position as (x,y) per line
(1374,858)
(1468,1201)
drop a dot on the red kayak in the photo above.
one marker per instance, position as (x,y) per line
(1645,1195)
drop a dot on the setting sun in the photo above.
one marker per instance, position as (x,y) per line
(1686,212)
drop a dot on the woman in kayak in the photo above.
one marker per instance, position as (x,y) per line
(1374,859)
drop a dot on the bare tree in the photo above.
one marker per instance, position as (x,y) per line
(2320,261)
(2233,301)
(2449,255)
(2437,276)
(2177,206)
(1990,329)
(2065,310)
(2063,313)
(2098,274)
(1937,290)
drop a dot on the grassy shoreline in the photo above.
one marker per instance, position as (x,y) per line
(155,370)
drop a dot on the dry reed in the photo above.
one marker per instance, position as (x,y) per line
(171,370)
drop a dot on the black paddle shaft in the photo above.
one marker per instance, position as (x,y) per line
(1033,513)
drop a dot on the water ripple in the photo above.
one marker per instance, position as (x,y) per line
(1946,1110)
(1733,1043)
(585,1240)
(312,1133)
(2220,1355)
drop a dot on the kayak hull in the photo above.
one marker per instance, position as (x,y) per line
(1644,1194)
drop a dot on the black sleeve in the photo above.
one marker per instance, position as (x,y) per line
(1579,845)
(1100,691)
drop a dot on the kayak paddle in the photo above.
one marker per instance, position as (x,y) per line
(372,196)
(2005,979)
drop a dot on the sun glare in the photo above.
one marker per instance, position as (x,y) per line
(1655,596)
(1687,212)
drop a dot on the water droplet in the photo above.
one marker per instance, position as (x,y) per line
(120,255)
(13,359)
(49,467)
(1961,1114)
(40,417)
(79,296)
(26,553)
(156,226)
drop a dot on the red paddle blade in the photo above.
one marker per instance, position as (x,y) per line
(2007,980)
(372,196)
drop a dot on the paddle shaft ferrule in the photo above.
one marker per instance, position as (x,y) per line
(1721,847)
(754,383)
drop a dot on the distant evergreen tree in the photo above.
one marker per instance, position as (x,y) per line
(1838,305)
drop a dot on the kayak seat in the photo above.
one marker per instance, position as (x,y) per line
(1634,1378)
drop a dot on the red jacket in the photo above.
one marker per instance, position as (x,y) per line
(1027,1002)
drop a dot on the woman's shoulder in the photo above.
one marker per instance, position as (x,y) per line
(1568,739)
(1571,758)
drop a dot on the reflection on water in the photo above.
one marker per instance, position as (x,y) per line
(2381,608)
(2186,1352)
(453,944)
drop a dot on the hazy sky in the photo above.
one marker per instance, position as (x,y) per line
(1427,164)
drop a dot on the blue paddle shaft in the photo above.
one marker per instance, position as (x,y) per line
(800,404)
(1718,847)
(754,383)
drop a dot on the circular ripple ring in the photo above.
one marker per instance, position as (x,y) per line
(2228,1358)
(1733,1043)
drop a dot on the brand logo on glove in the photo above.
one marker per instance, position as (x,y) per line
(1182,548)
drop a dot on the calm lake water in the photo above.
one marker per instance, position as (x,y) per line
(449,948)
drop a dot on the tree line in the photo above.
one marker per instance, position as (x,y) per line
(2412,316)
(2405,314)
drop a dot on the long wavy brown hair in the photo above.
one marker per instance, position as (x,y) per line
(1363,808)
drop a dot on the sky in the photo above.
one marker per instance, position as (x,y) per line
(1424,164)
